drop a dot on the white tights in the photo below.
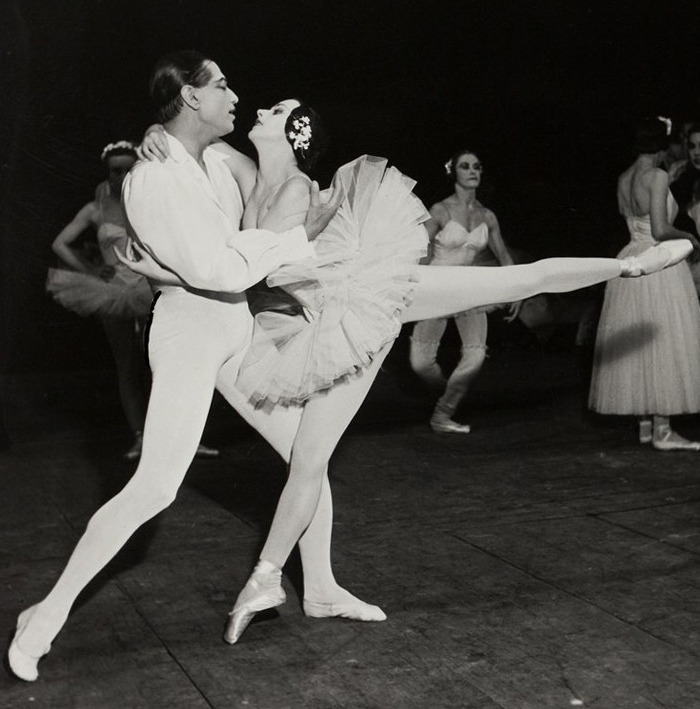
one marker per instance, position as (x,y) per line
(440,291)
(196,344)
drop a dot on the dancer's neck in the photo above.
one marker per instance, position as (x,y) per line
(193,135)
(275,165)
(466,196)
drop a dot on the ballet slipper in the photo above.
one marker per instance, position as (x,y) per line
(22,663)
(352,610)
(669,440)
(444,424)
(645,429)
(262,592)
(656,258)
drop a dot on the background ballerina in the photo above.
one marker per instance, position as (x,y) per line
(461,230)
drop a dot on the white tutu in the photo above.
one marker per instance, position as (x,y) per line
(125,295)
(352,292)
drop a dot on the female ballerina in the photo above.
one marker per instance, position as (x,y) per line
(362,286)
(647,352)
(460,229)
(119,297)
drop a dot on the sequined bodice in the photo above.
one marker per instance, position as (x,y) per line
(455,245)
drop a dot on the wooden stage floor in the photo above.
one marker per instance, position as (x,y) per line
(546,560)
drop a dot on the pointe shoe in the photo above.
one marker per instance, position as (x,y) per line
(254,597)
(448,426)
(655,259)
(669,440)
(354,610)
(206,452)
(645,428)
(22,664)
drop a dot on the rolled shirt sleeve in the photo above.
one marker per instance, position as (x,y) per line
(183,226)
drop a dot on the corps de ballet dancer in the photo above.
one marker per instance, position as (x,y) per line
(120,298)
(461,232)
(647,351)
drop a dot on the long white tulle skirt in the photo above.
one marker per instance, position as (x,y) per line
(352,292)
(647,352)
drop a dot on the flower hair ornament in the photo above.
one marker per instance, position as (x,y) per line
(119,145)
(300,136)
(668,122)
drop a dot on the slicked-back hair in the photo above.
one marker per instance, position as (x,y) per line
(171,72)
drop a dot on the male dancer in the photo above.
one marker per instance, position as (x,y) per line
(186,212)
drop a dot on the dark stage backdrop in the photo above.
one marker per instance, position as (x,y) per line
(547,92)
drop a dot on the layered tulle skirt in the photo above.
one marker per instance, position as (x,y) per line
(647,352)
(126,295)
(352,293)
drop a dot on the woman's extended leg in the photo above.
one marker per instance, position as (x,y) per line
(323,422)
(444,290)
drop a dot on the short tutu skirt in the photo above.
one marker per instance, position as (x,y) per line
(647,352)
(351,293)
(126,295)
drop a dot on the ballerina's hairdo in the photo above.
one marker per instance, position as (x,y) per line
(172,72)
(307,135)
(451,164)
(651,135)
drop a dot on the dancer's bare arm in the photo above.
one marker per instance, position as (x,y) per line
(87,217)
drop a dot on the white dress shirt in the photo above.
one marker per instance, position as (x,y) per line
(189,220)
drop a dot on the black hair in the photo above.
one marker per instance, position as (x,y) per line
(451,164)
(299,118)
(651,136)
(692,128)
(171,72)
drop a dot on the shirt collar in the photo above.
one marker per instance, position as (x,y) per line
(180,155)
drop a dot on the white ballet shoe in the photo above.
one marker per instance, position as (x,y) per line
(669,440)
(655,259)
(22,663)
(645,429)
(352,610)
(261,592)
(447,425)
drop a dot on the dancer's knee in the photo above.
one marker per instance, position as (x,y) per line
(473,357)
(423,356)
(146,501)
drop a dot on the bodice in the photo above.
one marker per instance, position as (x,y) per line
(110,235)
(640,227)
(455,245)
